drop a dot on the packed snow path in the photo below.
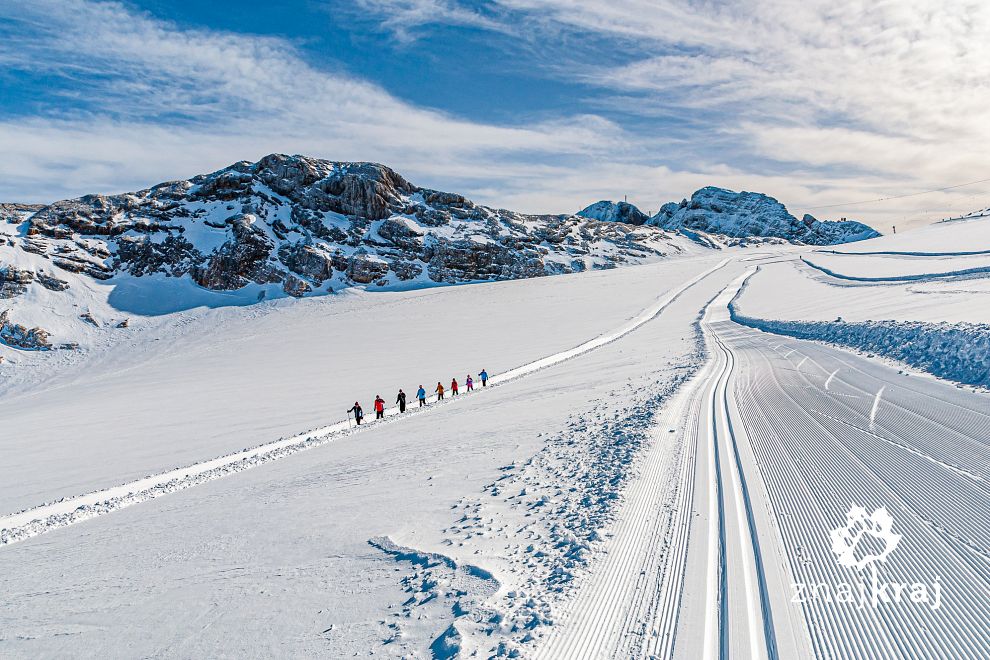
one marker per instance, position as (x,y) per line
(723,548)
(45,517)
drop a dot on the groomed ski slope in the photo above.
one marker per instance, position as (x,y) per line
(783,436)
(514,481)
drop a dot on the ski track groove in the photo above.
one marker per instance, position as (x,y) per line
(856,638)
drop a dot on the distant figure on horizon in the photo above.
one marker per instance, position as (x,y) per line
(439,391)
(358,413)
(421,395)
(401,400)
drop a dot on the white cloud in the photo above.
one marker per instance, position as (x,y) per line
(896,91)
(813,102)
(229,97)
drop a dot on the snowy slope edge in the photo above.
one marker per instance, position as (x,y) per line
(958,352)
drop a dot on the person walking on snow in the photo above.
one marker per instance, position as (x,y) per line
(421,395)
(401,400)
(379,406)
(439,391)
(358,413)
(470,383)
(453,386)
(484,378)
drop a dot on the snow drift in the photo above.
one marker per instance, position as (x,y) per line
(955,351)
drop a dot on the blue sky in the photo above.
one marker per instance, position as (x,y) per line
(535,105)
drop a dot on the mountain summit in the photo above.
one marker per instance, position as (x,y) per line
(744,214)
(607,211)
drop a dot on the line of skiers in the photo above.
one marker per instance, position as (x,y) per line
(420,396)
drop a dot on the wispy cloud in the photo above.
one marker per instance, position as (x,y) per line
(159,99)
(894,92)
(814,102)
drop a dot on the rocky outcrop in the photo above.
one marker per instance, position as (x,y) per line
(299,226)
(19,336)
(608,211)
(747,214)
(14,281)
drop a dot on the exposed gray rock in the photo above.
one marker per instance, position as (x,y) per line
(312,221)
(51,282)
(365,269)
(295,287)
(305,224)
(14,281)
(19,336)
(308,261)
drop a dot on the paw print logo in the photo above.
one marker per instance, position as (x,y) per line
(859,525)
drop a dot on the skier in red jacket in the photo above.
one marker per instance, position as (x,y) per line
(453,387)
(379,407)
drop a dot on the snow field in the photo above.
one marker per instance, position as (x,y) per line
(50,516)
(194,386)
(955,237)
(897,268)
(291,542)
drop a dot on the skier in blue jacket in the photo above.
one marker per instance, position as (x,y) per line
(421,395)
(484,378)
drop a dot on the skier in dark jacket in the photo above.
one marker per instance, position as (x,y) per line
(421,395)
(401,400)
(379,406)
(484,378)
(358,413)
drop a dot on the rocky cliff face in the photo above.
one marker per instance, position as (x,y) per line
(747,214)
(607,211)
(309,224)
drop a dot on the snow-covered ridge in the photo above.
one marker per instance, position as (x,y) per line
(282,226)
(300,226)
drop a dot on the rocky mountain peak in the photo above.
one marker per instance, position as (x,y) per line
(743,214)
(609,211)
